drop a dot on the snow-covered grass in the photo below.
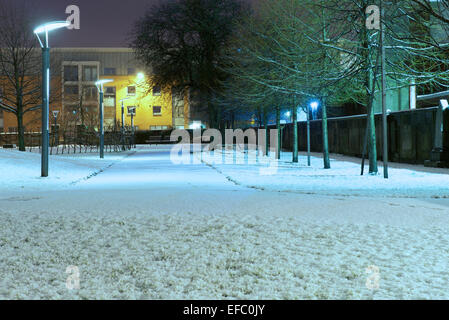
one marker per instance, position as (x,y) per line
(342,179)
(237,256)
(145,228)
(22,170)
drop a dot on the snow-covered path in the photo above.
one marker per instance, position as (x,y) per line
(145,228)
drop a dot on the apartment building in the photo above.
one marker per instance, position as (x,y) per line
(150,106)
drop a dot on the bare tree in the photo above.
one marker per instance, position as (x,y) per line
(182,43)
(20,66)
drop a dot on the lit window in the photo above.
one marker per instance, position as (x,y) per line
(131,71)
(131,90)
(131,111)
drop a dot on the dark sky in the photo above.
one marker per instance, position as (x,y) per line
(104,23)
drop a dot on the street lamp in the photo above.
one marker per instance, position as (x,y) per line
(56,133)
(123,112)
(45,29)
(100,86)
(123,121)
(133,111)
(314,105)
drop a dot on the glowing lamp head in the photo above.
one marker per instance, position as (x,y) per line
(314,105)
(47,27)
(288,114)
(140,76)
(102,82)
(444,104)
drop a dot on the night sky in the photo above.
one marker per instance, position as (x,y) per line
(104,23)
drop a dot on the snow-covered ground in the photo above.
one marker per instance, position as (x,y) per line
(139,227)
(22,170)
(343,178)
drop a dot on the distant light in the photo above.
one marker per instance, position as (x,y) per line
(288,114)
(314,105)
(140,76)
(444,104)
(195,125)
(51,26)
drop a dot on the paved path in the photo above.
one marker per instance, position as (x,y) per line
(148,182)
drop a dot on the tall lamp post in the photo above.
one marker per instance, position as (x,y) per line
(384,93)
(133,111)
(43,30)
(123,113)
(314,105)
(100,86)
(123,122)
(56,131)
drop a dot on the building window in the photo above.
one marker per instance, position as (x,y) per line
(131,91)
(157,128)
(109,97)
(90,73)
(13,129)
(109,101)
(131,71)
(157,111)
(110,71)
(131,111)
(109,90)
(71,90)
(91,93)
(157,91)
(70,73)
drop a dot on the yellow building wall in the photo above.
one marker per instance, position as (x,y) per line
(143,100)
(32,120)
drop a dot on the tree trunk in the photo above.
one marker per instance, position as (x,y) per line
(20,131)
(327,163)
(267,134)
(295,133)
(278,127)
(370,84)
(20,128)
(372,141)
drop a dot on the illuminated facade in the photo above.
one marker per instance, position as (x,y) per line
(153,108)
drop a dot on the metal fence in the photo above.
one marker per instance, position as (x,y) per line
(75,140)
